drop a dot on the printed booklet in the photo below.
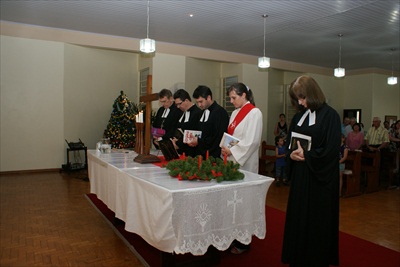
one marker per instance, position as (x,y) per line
(189,135)
(228,141)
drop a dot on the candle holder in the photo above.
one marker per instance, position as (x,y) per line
(139,145)
(144,154)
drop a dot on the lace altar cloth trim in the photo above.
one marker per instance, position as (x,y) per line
(218,219)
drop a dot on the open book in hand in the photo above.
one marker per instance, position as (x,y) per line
(305,141)
(190,135)
(228,141)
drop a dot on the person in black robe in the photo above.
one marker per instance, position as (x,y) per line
(312,217)
(167,116)
(188,121)
(213,123)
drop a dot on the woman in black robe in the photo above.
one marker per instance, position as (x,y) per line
(312,216)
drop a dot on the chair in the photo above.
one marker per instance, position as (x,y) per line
(267,157)
(370,165)
(351,175)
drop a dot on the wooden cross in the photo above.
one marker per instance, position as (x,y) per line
(148,98)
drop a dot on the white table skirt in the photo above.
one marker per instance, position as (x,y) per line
(178,216)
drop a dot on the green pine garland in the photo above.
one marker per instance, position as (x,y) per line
(188,169)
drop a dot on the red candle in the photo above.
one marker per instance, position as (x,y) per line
(206,154)
(224,159)
(199,162)
(183,156)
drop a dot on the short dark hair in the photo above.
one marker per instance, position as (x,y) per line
(165,93)
(202,91)
(305,87)
(277,139)
(182,95)
(356,124)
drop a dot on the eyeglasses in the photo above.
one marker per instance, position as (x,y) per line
(178,104)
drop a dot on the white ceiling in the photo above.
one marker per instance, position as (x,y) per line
(298,31)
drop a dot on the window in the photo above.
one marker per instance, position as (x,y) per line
(228,81)
(289,109)
(143,81)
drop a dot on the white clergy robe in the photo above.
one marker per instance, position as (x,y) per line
(249,132)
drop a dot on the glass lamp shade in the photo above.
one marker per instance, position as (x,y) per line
(339,72)
(147,45)
(263,62)
(392,80)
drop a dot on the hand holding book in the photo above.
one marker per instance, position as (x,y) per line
(298,154)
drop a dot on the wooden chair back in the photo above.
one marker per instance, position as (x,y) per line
(267,157)
(370,165)
(352,175)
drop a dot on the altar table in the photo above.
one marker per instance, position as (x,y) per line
(178,216)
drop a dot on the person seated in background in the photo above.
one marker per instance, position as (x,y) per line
(167,116)
(344,151)
(281,128)
(355,138)
(377,137)
(346,121)
(280,163)
(188,121)
(349,127)
(394,145)
(386,125)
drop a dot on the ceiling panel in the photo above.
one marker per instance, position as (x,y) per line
(299,31)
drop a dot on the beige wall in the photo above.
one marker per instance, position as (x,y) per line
(32,121)
(203,72)
(168,72)
(53,91)
(93,79)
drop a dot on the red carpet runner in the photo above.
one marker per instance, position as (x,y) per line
(354,252)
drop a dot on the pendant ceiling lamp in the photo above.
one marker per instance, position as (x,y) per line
(264,62)
(392,80)
(148,45)
(339,72)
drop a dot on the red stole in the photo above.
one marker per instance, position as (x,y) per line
(239,117)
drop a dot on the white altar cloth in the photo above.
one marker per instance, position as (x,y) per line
(179,216)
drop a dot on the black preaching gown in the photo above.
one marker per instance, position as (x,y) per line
(312,217)
(212,129)
(191,123)
(170,122)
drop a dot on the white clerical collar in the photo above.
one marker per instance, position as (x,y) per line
(165,114)
(311,119)
(185,115)
(205,116)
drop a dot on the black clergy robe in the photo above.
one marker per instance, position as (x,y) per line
(213,123)
(188,121)
(312,216)
(169,122)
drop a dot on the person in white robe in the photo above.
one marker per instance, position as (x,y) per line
(245,124)
(248,130)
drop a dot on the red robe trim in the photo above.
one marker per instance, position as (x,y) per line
(239,117)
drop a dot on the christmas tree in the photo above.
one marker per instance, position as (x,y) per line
(121,126)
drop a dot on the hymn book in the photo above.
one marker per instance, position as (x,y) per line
(305,141)
(168,149)
(228,141)
(190,135)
